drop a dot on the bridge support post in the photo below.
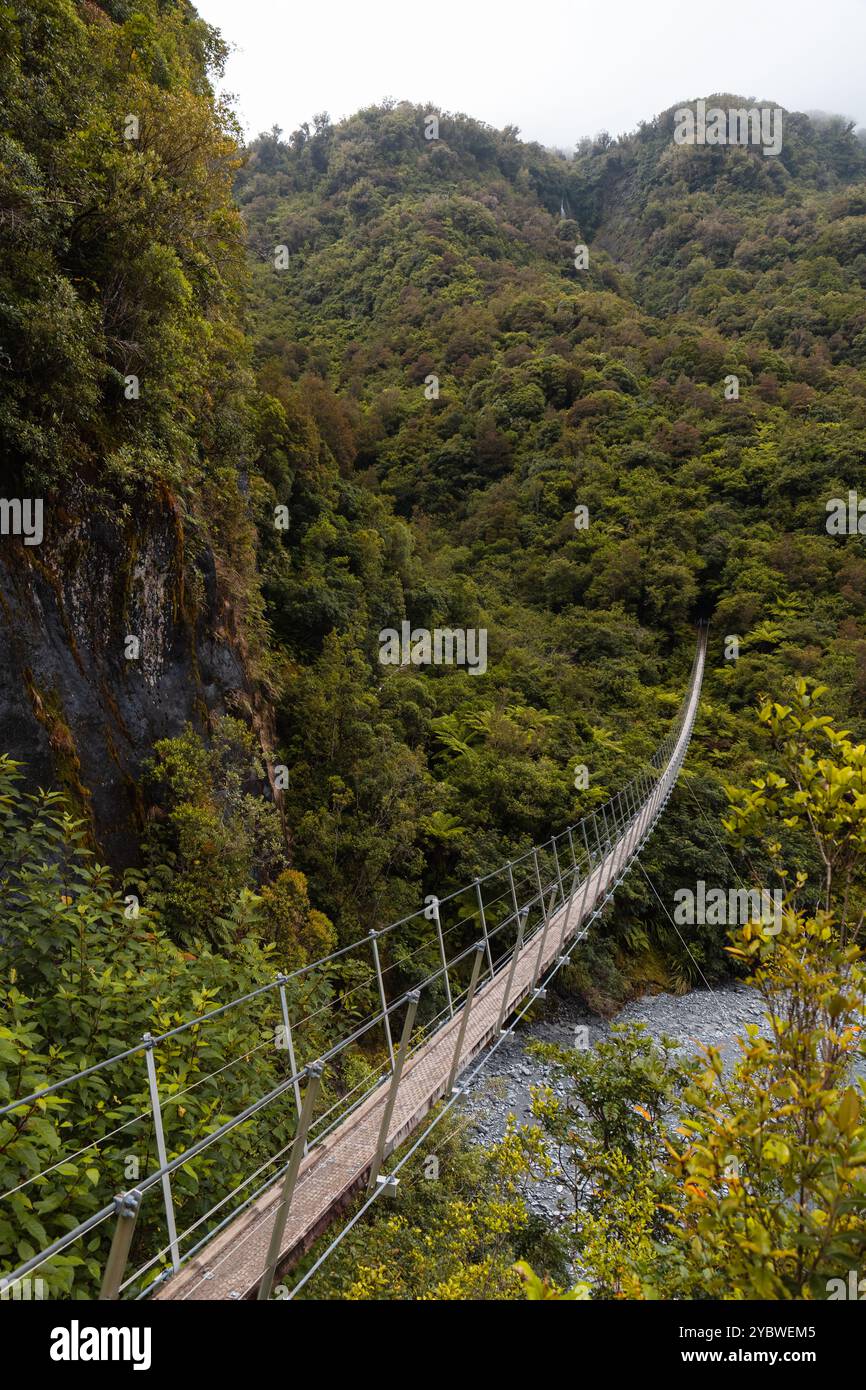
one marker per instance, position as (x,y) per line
(607,840)
(538,884)
(567,913)
(586,842)
(514,955)
(373,934)
(596,893)
(629,802)
(642,794)
(639,814)
(442,956)
(156,1111)
(625,828)
(483,917)
(547,916)
(575,883)
(624,836)
(634,814)
(281,1216)
(607,861)
(648,807)
(409,1022)
(558,869)
(126,1205)
(640,808)
(513,892)
(464,1021)
(659,797)
(287,1029)
(589,872)
(616,850)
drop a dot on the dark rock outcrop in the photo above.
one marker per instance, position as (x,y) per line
(77,705)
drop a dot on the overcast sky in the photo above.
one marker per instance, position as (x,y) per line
(558,69)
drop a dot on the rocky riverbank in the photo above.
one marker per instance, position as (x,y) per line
(717,1016)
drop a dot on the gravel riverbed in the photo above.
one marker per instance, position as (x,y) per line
(718,1016)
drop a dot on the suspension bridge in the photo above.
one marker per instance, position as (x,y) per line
(495,944)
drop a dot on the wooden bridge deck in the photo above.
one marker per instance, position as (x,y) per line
(232,1263)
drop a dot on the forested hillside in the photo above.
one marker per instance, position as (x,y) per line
(125,398)
(279,399)
(606,387)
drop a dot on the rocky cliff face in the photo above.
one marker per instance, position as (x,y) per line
(113,636)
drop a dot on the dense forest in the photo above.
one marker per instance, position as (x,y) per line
(402,368)
(558,388)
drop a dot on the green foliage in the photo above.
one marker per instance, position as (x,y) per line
(608,1136)
(459,1224)
(125,254)
(211,840)
(825,797)
(304,389)
(772,1164)
(693,1181)
(84,975)
(536,1288)
(557,387)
